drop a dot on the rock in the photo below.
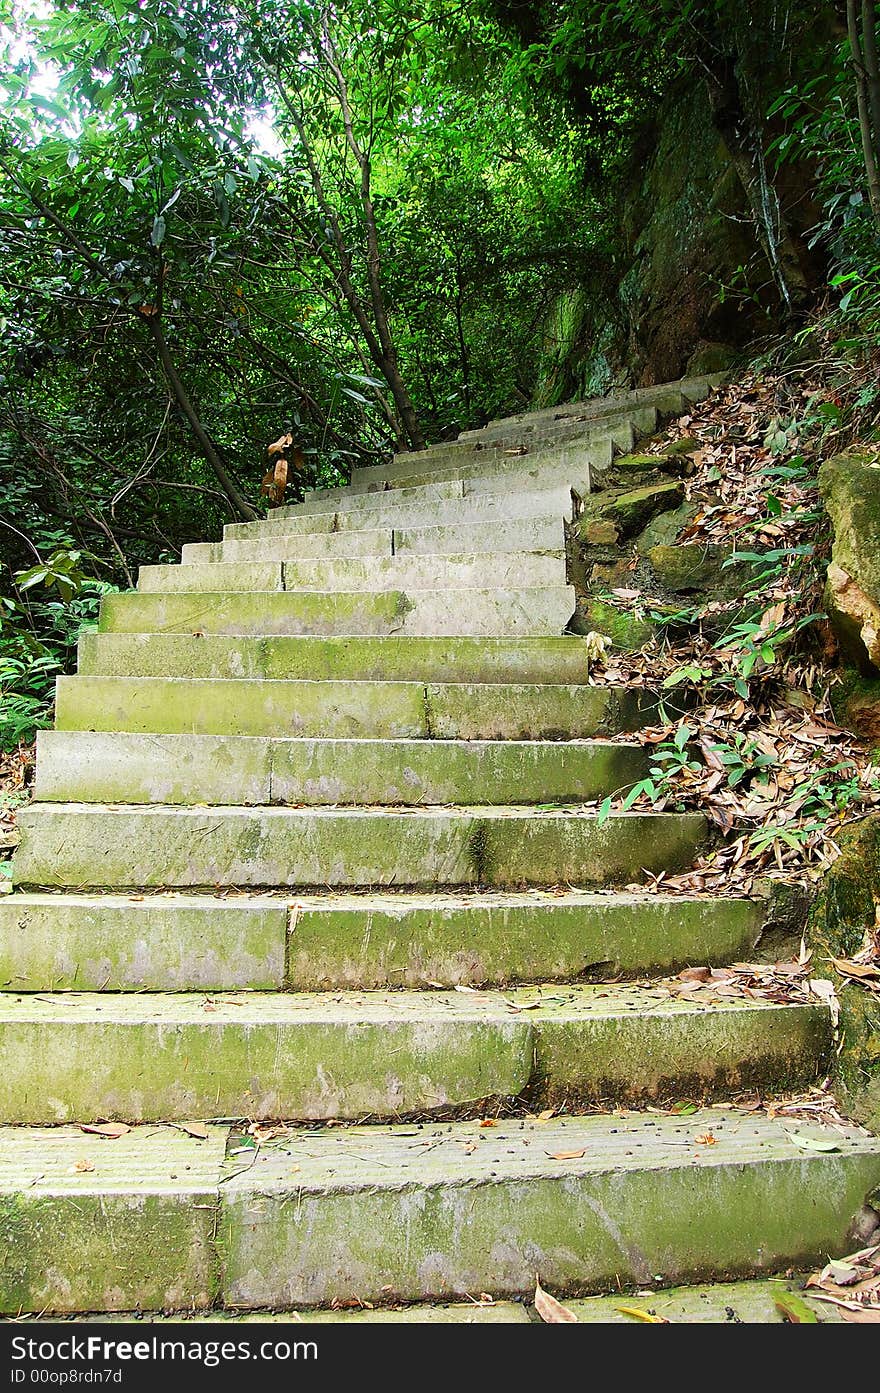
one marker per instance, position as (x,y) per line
(850,487)
(632,511)
(689,566)
(664,528)
(611,573)
(626,631)
(856,705)
(844,911)
(599,532)
(709,357)
(685,446)
(636,464)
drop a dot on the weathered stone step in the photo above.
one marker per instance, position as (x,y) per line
(158,1220)
(526,473)
(536,660)
(90,845)
(665,396)
(463,539)
(501,507)
(543,610)
(118,767)
(588,454)
(142,1057)
(342,709)
(506,570)
(174,942)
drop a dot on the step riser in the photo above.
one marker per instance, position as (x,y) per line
(382,573)
(82,846)
(347,710)
(542,660)
(158,943)
(169,944)
(504,508)
(521,535)
(314,1062)
(578,1234)
(421,612)
(186,769)
(687,392)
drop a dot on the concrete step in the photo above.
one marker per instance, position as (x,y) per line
(502,507)
(542,610)
(78,845)
(589,453)
(142,1057)
(546,660)
(173,942)
(116,767)
(666,395)
(464,539)
(160,1220)
(507,570)
(552,468)
(341,709)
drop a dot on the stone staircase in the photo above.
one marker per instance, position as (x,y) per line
(309,846)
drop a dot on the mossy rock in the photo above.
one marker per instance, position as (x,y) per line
(685,567)
(845,907)
(626,631)
(850,487)
(856,704)
(685,446)
(664,528)
(632,511)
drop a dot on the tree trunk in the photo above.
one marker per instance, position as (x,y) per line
(867,92)
(239,503)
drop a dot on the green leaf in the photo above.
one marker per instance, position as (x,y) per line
(157,236)
(813,1143)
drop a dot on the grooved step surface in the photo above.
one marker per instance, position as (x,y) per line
(546,660)
(337,709)
(81,1056)
(540,611)
(88,767)
(175,942)
(502,506)
(379,1213)
(505,570)
(157,1219)
(79,845)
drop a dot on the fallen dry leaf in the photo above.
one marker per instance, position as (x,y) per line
(551,1311)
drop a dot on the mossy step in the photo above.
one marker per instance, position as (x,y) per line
(591,451)
(544,469)
(459,539)
(175,942)
(543,610)
(345,709)
(96,845)
(120,767)
(502,506)
(665,396)
(545,660)
(307,1056)
(501,569)
(159,1220)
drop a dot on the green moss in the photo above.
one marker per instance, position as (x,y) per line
(845,908)
(624,629)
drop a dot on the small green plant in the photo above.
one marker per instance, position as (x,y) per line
(672,758)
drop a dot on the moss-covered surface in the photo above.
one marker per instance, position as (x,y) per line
(624,629)
(844,910)
(633,510)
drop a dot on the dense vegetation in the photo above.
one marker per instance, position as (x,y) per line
(365,225)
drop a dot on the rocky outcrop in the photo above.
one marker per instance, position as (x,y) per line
(850,486)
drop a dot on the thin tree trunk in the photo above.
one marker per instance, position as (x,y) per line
(869,153)
(208,449)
